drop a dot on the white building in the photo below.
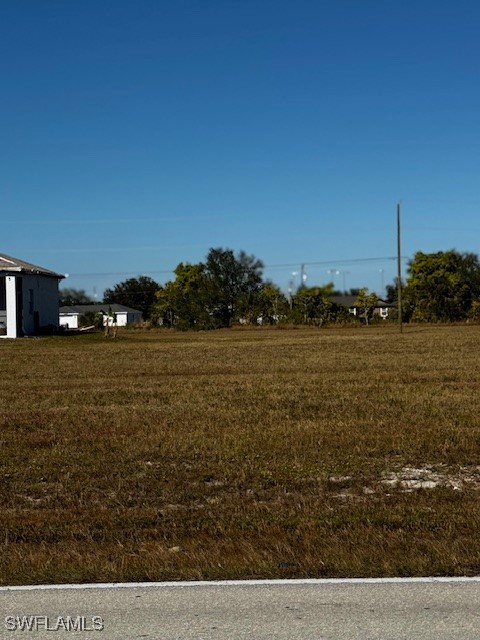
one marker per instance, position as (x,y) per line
(28,298)
(69,317)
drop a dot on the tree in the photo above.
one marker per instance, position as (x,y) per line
(211,294)
(312,305)
(272,304)
(228,278)
(69,297)
(183,302)
(91,318)
(137,293)
(366,303)
(391,291)
(266,305)
(441,286)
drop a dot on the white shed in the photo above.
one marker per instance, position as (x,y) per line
(69,316)
(28,298)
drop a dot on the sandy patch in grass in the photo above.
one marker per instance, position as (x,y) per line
(429,477)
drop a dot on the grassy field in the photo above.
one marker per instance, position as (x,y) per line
(240,454)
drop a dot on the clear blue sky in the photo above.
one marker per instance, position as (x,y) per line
(137,134)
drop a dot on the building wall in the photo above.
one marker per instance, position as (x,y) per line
(124,318)
(134,318)
(11,306)
(69,320)
(40,303)
(120,319)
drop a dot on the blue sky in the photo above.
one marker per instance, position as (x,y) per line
(138,134)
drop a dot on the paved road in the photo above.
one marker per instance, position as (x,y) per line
(299,610)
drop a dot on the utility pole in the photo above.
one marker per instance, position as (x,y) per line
(399,271)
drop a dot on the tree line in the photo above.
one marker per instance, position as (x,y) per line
(228,288)
(442,287)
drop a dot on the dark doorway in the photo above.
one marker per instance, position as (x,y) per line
(19,297)
(3,306)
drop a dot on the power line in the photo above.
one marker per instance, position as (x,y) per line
(286,265)
(328,262)
(117,273)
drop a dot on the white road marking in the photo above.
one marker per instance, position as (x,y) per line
(241,583)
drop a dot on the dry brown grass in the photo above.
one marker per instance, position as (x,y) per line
(238,454)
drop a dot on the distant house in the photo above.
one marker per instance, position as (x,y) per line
(381,309)
(28,298)
(69,317)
